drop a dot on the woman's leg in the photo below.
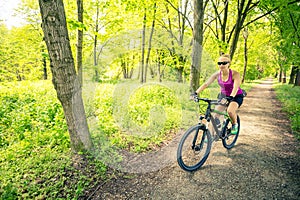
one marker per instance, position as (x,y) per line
(220,118)
(232,108)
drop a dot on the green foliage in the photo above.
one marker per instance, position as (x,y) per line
(34,145)
(137,116)
(18,62)
(118,35)
(290,99)
(104,108)
(24,113)
(150,105)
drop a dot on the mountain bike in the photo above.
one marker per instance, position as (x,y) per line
(195,145)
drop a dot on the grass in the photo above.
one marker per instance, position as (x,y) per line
(289,96)
(35,156)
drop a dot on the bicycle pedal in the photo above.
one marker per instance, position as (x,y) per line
(197,148)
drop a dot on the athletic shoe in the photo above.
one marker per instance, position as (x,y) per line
(234,129)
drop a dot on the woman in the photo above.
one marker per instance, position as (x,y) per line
(229,81)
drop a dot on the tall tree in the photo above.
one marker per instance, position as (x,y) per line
(97,78)
(150,42)
(245,35)
(288,23)
(247,12)
(297,81)
(293,75)
(143,48)
(79,39)
(177,27)
(65,79)
(242,9)
(29,9)
(199,8)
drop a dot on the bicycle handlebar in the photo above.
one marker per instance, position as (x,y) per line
(210,101)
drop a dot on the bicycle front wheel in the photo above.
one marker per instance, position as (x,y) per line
(194,148)
(229,140)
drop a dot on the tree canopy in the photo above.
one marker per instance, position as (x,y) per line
(113,38)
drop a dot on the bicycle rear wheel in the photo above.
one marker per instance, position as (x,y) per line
(194,148)
(229,140)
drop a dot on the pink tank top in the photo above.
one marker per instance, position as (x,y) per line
(227,86)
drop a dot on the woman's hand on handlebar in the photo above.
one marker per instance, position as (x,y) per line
(194,97)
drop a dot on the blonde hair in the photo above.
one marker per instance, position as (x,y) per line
(226,56)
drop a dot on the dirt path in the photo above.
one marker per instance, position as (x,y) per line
(265,163)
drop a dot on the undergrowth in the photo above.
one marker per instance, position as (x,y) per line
(290,99)
(35,156)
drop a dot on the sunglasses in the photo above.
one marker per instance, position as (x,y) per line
(223,63)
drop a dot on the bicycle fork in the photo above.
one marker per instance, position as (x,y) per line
(200,145)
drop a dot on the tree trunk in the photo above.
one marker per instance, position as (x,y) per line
(223,23)
(44,66)
(65,79)
(143,48)
(280,74)
(79,40)
(95,46)
(197,44)
(238,26)
(294,72)
(126,67)
(245,34)
(297,82)
(158,54)
(158,72)
(179,75)
(149,45)
(133,60)
(284,76)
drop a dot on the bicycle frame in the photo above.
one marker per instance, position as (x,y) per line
(209,117)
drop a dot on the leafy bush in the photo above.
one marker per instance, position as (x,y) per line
(290,99)
(137,116)
(35,157)
(154,108)
(104,108)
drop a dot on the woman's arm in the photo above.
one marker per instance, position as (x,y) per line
(211,79)
(237,82)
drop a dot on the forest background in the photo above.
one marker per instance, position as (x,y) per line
(126,44)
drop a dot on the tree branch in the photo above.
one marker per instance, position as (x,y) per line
(294,26)
(269,12)
(185,17)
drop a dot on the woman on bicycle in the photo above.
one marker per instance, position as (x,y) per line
(229,81)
